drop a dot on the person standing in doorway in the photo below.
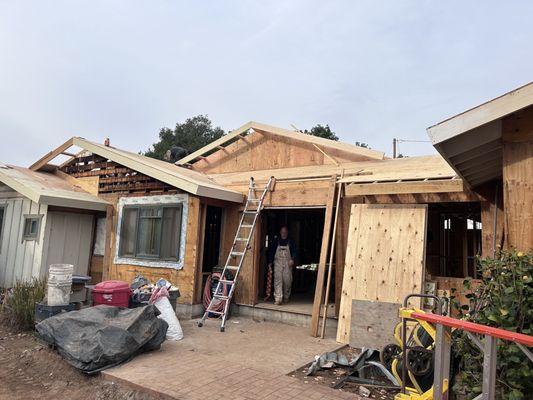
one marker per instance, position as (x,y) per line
(282,254)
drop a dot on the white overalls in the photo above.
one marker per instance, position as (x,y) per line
(282,274)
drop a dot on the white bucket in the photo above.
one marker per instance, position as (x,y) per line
(59,284)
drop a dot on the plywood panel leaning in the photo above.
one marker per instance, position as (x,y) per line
(385,256)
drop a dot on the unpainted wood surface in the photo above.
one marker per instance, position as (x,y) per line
(321,273)
(264,151)
(183,278)
(414,168)
(385,257)
(517,131)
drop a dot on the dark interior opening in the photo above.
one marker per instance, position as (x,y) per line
(305,228)
(453,239)
(213,227)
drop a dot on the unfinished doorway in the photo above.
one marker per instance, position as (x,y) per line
(305,228)
(211,248)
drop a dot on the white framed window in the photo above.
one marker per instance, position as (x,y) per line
(151,231)
(31,228)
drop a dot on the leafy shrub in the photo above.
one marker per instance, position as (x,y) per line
(503,300)
(19,303)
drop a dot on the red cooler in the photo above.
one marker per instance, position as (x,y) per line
(112,293)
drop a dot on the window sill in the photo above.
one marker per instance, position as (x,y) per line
(149,263)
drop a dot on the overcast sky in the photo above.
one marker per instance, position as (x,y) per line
(372,70)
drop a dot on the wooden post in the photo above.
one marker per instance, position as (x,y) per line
(331,251)
(326,234)
(108,256)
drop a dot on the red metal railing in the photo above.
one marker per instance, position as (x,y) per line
(488,347)
(476,328)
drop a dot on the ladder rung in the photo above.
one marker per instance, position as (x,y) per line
(246,226)
(241,239)
(214,312)
(233,267)
(250,212)
(221,296)
(254,200)
(237,253)
(227,282)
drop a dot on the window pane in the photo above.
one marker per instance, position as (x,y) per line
(34,226)
(127,232)
(170,241)
(149,235)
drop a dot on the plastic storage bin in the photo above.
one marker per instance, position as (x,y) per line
(112,293)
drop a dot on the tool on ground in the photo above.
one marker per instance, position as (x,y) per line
(239,248)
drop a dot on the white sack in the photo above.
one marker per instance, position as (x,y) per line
(174,331)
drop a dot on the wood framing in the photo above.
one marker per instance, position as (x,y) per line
(401,187)
(326,236)
(51,155)
(293,136)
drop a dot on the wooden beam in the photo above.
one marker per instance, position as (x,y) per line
(326,234)
(51,155)
(330,267)
(108,250)
(66,153)
(405,187)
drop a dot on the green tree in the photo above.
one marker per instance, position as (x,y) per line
(323,132)
(191,135)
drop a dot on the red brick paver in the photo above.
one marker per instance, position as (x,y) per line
(194,376)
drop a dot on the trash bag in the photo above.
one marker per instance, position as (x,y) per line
(96,338)
(159,299)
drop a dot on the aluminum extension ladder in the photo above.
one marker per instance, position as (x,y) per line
(239,248)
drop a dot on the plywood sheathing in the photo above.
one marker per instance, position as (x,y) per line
(390,170)
(48,188)
(242,133)
(262,150)
(385,257)
(517,136)
(373,323)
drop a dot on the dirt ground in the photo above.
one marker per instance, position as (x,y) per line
(331,377)
(29,370)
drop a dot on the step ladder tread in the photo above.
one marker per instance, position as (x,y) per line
(226,281)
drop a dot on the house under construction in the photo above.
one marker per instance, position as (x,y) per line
(367,227)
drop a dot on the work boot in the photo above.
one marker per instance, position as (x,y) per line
(277,303)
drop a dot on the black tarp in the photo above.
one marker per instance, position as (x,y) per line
(100,337)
